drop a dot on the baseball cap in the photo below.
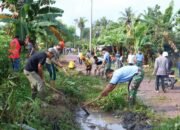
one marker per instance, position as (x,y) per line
(165,54)
(52,50)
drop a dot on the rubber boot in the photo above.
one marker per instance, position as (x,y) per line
(52,83)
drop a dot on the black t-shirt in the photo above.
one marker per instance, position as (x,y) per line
(38,58)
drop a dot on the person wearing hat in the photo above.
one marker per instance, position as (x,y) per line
(160,70)
(34,71)
(50,63)
(131,74)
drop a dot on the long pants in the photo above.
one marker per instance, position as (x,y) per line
(15,64)
(133,86)
(52,71)
(160,81)
(139,63)
(36,82)
(106,67)
(179,68)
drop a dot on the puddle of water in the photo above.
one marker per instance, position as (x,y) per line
(97,121)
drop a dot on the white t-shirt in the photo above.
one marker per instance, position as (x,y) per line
(131,59)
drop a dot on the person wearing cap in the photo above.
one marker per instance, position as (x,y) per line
(131,74)
(170,63)
(34,71)
(160,70)
(50,63)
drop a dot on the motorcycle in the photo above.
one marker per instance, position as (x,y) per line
(170,80)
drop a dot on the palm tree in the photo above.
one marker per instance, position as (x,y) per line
(81,25)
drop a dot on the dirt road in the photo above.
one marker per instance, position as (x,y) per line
(167,104)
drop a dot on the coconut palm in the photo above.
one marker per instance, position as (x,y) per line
(81,24)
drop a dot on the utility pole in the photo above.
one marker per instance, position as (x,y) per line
(90,35)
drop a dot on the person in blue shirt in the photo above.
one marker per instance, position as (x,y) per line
(132,74)
(139,58)
(106,60)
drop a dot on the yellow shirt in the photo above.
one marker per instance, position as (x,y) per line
(87,62)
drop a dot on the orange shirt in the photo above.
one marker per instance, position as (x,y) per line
(14,49)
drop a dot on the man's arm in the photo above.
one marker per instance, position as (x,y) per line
(57,62)
(155,67)
(40,71)
(107,89)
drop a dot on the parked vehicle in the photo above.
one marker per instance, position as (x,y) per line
(170,80)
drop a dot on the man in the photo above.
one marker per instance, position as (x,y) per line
(160,70)
(132,74)
(50,63)
(34,71)
(98,63)
(139,58)
(131,58)
(179,64)
(14,51)
(106,60)
(88,65)
(30,47)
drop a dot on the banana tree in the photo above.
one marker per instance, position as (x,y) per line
(34,18)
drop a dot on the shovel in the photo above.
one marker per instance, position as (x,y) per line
(83,107)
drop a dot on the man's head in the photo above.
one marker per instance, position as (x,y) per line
(95,57)
(60,46)
(139,51)
(109,73)
(160,51)
(51,52)
(104,50)
(165,54)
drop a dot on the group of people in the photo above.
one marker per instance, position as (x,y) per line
(33,69)
(132,73)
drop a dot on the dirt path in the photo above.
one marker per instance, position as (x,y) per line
(167,104)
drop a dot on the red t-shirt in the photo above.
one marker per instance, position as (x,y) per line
(14,49)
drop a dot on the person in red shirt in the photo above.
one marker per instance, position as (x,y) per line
(14,53)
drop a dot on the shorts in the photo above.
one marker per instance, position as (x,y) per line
(89,67)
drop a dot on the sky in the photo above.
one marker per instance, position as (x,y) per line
(111,9)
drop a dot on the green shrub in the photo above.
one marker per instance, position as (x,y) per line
(117,99)
(169,124)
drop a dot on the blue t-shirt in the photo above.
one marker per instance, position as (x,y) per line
(123,74)
(107,57)
(139,57)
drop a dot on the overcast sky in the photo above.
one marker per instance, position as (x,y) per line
(111,9)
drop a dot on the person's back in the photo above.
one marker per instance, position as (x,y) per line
(14,48)
(32,64)
(124,74)
(161,64)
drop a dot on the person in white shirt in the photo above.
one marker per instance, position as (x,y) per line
(131,58)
